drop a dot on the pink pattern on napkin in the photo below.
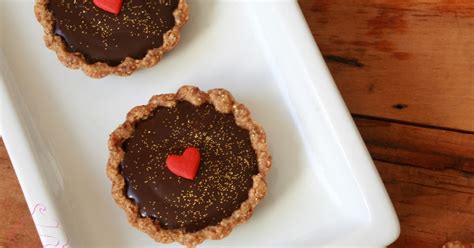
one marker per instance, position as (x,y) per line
(49,226)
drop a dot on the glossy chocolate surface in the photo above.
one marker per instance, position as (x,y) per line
(104,37)
(224,178)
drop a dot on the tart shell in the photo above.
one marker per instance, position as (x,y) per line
(223,102)
(76,60)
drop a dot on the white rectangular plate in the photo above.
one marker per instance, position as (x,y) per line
(323,187)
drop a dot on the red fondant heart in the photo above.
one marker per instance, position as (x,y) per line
(112,6)
(185,165)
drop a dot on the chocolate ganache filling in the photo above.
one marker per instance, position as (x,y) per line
(104,37)
(224,178)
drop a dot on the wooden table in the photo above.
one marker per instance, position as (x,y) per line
(406,72)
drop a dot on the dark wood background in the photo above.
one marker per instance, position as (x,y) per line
(406,72)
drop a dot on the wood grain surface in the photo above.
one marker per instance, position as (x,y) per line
(429,176)
(406,72)
(404,60)
(16,228)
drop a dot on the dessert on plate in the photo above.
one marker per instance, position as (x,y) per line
(188,166)
(105,37)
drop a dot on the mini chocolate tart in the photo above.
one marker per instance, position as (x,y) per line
(105,37)
(188,166)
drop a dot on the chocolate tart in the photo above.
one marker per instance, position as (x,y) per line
(101,43)
(229,183)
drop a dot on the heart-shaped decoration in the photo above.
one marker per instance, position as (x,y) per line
(185,165)
(112,6)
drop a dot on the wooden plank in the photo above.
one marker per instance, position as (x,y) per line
(433,206)
(429,175)
(17,228)
(403,60)
(417,146)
